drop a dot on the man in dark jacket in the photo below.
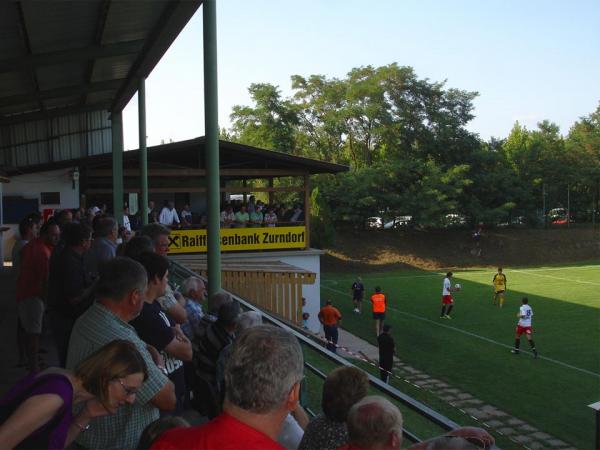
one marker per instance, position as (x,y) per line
(386,345)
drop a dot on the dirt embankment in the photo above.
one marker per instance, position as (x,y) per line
(379,250)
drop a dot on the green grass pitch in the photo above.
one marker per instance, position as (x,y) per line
(472,351)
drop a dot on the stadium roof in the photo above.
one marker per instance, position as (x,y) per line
(235,158)
(63,57)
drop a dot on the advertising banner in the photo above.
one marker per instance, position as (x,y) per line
(239,239)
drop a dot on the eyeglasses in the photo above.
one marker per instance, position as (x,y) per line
(128,390)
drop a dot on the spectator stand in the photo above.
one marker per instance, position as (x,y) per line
(326,357)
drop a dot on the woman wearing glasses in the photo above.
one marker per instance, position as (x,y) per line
(37,411)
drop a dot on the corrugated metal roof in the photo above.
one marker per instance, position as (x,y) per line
(53,54)
(63,64)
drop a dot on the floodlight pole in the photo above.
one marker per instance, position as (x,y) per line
(143,149)
(211,146)
(116,118)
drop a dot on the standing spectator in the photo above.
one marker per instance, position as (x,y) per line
(297,215)
(154,328)
(379,303)
(168,215)
(126,222)
(227,217)
(151,209)
(358,293)
(64,217)
(270,217)
(37,411)
(32,284)
(119,299)
(330,317)
(242,217)
(343,387)
(186,216)
(104,247)
(194,293)
(124,235)
(29,229)
(262,379)
(67,295)
(251,207)
(153,217)
(387,348)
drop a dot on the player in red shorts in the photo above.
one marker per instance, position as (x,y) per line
(447,300)
(524,326)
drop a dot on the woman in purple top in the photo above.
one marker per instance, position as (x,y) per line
(37,411)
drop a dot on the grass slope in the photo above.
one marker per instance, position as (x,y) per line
(471,351)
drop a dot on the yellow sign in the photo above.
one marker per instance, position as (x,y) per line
(239,239)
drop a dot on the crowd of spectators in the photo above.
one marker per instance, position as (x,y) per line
(238,214)
(136,352)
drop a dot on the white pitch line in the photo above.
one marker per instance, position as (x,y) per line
(559,278)
(491,341)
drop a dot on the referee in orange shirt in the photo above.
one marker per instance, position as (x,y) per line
(330,317)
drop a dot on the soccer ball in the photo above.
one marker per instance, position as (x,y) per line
(457,286)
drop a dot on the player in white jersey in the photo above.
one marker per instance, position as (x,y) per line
(447,300)
(524,326)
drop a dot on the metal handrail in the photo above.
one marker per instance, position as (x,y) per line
(389,391)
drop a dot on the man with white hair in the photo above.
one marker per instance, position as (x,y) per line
(374,423)
(262,379)
(194,293)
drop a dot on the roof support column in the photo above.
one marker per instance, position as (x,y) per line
(211,143)
(117,164)
(143,150)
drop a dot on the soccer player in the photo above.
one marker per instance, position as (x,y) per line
(358,293)
(524,326)
(447,300)
(499,283)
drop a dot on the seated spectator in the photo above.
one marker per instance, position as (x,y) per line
(37,411)
(207,347)
(270,217)
(194,293)
(297,214)
(124,235)
(158,427)
(242,218)
(168,215)
(262,379)
(119,294)
(186,216)
(136,246)
(256,218)
(227,217)
(172,302)
(374,423)
(104,247)
(343,387)
(155,329)
(68,283)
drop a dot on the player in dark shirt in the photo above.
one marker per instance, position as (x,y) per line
(358,293)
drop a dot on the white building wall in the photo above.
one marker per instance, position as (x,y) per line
(31,186)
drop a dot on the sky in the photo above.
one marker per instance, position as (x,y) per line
(529,60)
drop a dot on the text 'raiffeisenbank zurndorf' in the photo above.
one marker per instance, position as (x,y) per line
(239,239)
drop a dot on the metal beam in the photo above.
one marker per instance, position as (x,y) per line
(32,61)
(117,161)
(202,172)
(51,113)
(143,149)
(211,145)
(68,91)
(100,25)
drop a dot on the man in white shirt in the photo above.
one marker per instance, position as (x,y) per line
(525,315)
(447,300)
(168,215)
